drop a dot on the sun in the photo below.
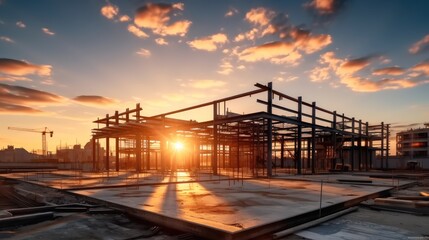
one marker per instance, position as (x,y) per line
(178,146)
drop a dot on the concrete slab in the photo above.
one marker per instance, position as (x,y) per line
(219,208)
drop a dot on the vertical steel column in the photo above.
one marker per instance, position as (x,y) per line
(93,153)
(366,147)
(352,149)
(360,146)
(117,143)
(298,150)
(382,145)
(138,142)
(148,152)
(342,147)
(313,137)
(282,152)
(387,145)
(334,139)
(107,146)
(270,130)
(215,139)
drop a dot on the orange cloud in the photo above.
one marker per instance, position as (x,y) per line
(259,16)
(392,71)
(359,84)
(352,66)
(275,52)
(48,32)
(94,100)
(308,42)
(209,43)
(156,16)
(206,84)
(422,67)
(225,68)
(420,45)
(7,108)
(6,39)
(136,31)
(161,41)
(21,68)
(109,11)
(124,18)
(14,78)
(325,7)
(21,95)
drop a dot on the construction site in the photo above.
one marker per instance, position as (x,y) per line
(279,168)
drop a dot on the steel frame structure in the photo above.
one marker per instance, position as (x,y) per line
(307,137)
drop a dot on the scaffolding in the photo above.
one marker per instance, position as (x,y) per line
(288,135)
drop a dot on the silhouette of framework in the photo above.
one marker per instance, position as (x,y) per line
(287,134)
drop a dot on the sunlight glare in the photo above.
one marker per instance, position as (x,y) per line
(178,146)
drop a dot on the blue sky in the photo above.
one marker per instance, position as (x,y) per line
(65,63)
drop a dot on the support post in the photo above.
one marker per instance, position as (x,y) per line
(107,146)
(382,145)
(270,130)
(334,139)
(94,154)
(352,148)
(215,139)
(299,143)
(387,145)
(313,137)
(282,152)
(117,143)
(360,146)
(366,147)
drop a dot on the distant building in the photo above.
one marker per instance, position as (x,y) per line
(413,145)
(77,157)
(11,154)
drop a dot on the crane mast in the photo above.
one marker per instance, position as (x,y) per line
(43,132)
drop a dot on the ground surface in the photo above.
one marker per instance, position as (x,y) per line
(230,205)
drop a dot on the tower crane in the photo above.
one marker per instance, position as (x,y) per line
(43,132)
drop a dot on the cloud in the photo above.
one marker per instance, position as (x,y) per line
(14,78)
(225,68)
(136,31)
(21,95)
(144,52)
(294,41)
(6,39)
(260,16)
(422,67)
(352,66)
(360,84)
(275,52)
(209,43)
(231,12)
(420,46)
(94,100)
(124,18)
(48,32)
(392,71)
(325,7)
(161,41)
(309,43)
(349,74)
(156,16)
(7,108)
(206,84)
(20,24)
(21,68)
(109,11)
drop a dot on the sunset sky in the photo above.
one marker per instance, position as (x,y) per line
(65,63)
